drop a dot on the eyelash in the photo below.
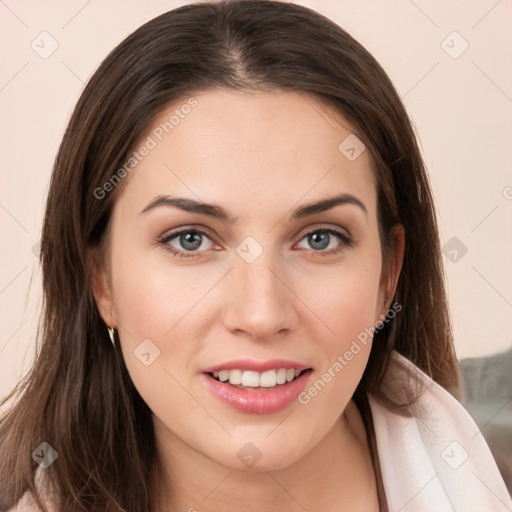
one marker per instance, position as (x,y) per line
(164,241)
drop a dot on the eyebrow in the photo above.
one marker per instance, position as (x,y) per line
(216,211)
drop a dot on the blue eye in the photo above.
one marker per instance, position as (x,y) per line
(320,239)
(192,240)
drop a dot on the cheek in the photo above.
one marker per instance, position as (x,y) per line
(158,301)
(152,305)
(347,306)
(350,300)
(344,298)
(153,295)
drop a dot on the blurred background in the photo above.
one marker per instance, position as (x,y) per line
(450,62)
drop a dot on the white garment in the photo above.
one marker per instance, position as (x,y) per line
(437,460)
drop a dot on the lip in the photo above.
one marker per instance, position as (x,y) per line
(260,401)
(256,366)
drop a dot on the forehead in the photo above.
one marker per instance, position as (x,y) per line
(261,147)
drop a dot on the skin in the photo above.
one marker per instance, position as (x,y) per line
(259,155)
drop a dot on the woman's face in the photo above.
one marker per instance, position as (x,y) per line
(267,281)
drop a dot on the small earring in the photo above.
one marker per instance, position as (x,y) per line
(111,334)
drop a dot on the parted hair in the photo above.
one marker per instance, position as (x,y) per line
(78,395)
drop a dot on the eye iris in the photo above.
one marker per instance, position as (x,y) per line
(192,238)
(320,238)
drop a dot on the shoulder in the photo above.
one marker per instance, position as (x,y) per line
(436,458)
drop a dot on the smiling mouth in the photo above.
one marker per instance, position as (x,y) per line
(256,381)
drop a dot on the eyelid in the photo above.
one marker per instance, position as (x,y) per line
(324,227)
(342,233)
(345,241)
(166,237)
(205,231)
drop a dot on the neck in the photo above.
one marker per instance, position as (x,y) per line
(337,474)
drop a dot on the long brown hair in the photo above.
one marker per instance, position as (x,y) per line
(78,395)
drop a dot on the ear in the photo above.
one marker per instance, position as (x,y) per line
(101,290)
(391,269)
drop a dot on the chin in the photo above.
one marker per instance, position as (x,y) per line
(261,455)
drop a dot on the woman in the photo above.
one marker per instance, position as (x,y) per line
(244,302)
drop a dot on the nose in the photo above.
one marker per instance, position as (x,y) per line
(260,300)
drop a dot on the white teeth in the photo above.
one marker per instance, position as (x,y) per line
(268,379)
(253,379)
(235,377)
(223,375)
(281,375)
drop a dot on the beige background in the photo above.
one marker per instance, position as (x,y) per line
(461,109)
